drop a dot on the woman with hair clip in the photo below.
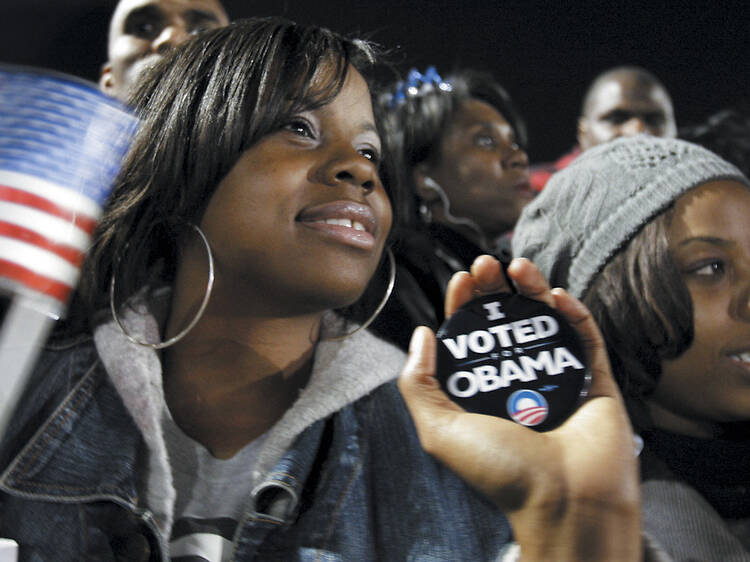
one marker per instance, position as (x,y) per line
(459,145)
(218,401)
(652,234)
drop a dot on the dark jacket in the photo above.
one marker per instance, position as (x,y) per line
(355,485)
(426,259)
(696,496)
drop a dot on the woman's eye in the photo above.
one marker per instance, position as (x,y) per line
(144,29)
(710,269)
(617,117)
(198,29)
(371,154)
(485,141)
(300,127)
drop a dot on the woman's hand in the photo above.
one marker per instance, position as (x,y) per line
(571,493)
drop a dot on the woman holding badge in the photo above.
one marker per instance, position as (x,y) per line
(218,402)
(652,234)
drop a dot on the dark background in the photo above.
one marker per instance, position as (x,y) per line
(545,53)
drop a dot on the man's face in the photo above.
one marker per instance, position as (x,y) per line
(141,31)
(624,106)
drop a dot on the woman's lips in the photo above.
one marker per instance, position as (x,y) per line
(348,222)
(742,358)
(356,225)
(525,190)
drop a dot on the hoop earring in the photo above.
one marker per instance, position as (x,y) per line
(388,291)
(201,309)
(425,213)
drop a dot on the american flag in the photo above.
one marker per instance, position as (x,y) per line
(61,146)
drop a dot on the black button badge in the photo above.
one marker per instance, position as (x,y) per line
(514,357)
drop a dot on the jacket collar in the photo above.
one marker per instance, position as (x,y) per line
(343,372)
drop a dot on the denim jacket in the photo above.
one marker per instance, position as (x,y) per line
(354,485)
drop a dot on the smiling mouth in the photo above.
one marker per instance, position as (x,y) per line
(742,357)
(346,214)
(344,231)
(356,225)
(346,222)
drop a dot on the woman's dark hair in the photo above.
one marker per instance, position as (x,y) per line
(726,133)
(201,107)
(644,310)
(414,126)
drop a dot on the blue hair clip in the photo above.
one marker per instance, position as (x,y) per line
(417,84)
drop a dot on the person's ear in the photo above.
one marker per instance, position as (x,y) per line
(107,79)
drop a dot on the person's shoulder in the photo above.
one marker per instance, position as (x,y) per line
(65,359)
(58,370)
(678,518)
(62,363)
(683,524)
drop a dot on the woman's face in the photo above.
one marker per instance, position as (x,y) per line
(302,218)
(481,169)
(709,239)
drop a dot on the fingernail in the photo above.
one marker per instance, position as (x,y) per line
(417,339)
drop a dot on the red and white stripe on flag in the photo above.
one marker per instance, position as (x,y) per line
(45,231)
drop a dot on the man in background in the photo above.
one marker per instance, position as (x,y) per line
(623,101)
(142,31)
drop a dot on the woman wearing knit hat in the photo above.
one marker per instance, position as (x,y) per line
(653,235)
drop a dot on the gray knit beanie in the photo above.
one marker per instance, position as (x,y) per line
(592,208)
